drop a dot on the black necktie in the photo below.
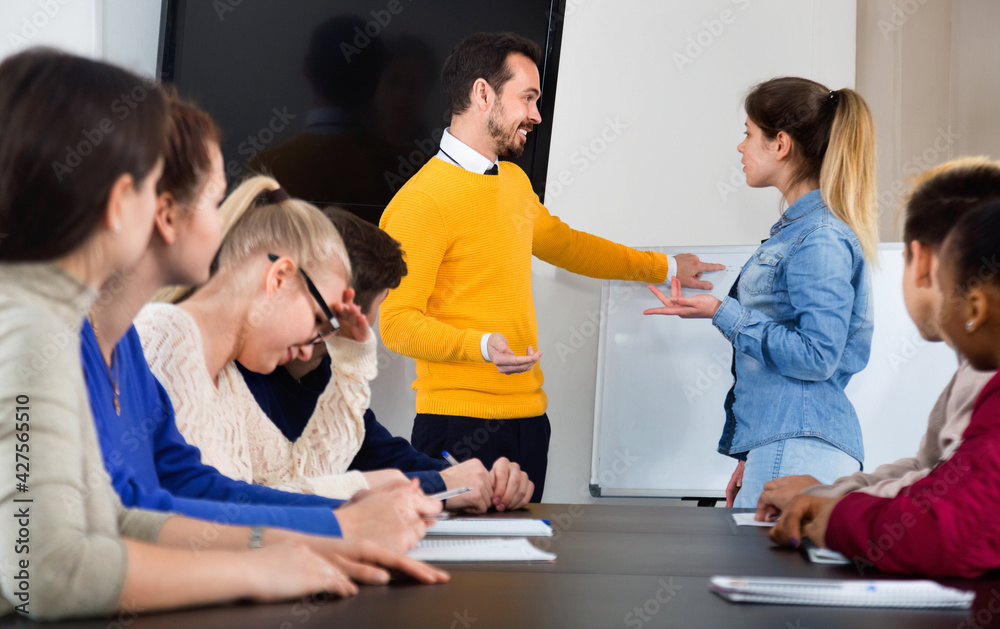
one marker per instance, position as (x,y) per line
(494,170)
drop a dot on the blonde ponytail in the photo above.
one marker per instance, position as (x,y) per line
(847,177)
(291,227)
(252,225)
(243,198)
(834,144)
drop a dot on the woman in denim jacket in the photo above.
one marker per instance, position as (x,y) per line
(800,315)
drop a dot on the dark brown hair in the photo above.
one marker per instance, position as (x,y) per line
(376,258)
(833,142)
(945,193)
(973,245)
(71,127)
(186,160)
(482,56)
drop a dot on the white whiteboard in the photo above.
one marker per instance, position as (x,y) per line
(662,381)
(648,111)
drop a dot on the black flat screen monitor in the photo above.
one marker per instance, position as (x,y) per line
(340,100)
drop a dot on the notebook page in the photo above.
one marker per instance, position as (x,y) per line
(490,549)
(484,526)
(746,519)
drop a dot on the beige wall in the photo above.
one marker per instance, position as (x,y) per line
(930,72)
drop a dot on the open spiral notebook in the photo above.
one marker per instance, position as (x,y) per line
(837,592)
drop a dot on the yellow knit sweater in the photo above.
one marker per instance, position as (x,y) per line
(468,240)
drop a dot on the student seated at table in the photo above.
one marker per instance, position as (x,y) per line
(73,225)
(946,524)
(290,393)
(150,463)
(278,288)
(939,198)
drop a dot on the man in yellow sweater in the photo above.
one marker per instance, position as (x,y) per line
(469,225)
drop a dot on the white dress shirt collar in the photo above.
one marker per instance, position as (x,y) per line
(456,152)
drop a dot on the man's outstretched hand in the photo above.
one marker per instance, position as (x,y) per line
(690,268)
(505,359)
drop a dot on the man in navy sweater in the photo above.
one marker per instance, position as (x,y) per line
(289,394)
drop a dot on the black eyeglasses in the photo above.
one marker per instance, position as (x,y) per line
(332,318)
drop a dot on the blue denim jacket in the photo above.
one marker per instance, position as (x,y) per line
(800,326)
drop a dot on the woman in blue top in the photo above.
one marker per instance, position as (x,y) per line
(150,463)
(800,314)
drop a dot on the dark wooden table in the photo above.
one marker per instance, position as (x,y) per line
(617,567)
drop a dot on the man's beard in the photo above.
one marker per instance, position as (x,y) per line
(507,144)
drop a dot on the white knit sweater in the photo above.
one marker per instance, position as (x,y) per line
(233,432)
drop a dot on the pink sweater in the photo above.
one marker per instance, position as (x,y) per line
(946,524)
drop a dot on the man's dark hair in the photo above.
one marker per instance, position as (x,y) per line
(376,258)
(482,56)
(943,194)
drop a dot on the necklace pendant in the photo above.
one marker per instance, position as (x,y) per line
(118,408)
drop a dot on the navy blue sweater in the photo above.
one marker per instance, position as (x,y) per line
(290,403)
(153,467)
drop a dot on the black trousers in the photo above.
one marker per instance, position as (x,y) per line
(524,441)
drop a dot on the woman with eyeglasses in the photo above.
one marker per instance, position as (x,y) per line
(151,464)
(79,208)
(280,287)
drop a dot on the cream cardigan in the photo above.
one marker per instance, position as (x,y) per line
(233,432)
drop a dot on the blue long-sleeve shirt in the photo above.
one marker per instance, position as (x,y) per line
(152,466)
(290,403)
(801,326)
